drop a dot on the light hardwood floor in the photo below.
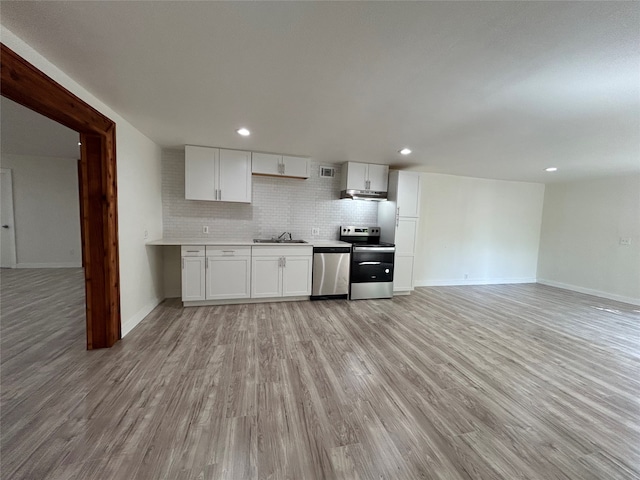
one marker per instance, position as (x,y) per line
(475,382)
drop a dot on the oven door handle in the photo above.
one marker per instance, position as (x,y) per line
(369,263)
(374,249)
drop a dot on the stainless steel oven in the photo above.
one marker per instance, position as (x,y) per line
(371,263)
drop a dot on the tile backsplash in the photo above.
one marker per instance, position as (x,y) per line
(278,205)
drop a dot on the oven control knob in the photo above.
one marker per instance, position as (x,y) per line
(386,270)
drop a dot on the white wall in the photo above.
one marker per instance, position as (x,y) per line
(139,197)
(46,211)
(486,230)
(580,239)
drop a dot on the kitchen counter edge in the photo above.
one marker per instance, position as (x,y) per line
(312,243)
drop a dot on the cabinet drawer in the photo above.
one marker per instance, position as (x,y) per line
(192,250)
(228,251)
(278,251)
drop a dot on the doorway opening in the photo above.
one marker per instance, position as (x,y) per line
(26,85)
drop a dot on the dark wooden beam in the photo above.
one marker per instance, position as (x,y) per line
(25,84)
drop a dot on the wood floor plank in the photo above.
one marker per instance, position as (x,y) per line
(473,382)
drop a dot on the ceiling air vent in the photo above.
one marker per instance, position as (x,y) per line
(327,172)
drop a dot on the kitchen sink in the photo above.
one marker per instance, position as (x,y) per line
(275,240)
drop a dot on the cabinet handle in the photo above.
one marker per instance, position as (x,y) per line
(206,263)
(284,261)
(183,263)
(220,193)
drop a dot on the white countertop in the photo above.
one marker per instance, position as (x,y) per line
(185,241)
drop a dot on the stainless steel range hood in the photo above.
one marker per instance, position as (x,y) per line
(364,195)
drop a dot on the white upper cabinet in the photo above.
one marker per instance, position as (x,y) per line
(355,176)
(235,176)
(200,176)
(296,166)
(378,176)
(408,194)
(217,175)
(265,163)
(280,165)
(365,176)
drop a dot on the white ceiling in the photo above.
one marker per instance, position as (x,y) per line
(24,132)
(485,89)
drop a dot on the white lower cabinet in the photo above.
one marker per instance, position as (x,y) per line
(193,273)
(193,279)
(215,273)
(406,230)
(266,280)
(228,272)
(296,276)
(236,272)
(281,271)
(403,273)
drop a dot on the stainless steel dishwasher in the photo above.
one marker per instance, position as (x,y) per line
(330,272)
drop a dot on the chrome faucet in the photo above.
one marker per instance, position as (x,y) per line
(283,234)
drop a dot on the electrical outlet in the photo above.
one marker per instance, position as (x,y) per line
(315,231)
(625,240)
(205,229)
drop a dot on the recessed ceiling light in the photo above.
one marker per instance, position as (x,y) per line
(551,169)
(405,151)
(244,132)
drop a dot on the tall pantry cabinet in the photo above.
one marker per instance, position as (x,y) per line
(398,221)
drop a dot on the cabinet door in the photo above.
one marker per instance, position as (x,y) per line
(406,236)
(265,163)
(296,166)
(356,176)
(200,173)
(378,177)
(193,279)
(403,274)
(408,194)
(228,277)
(296,276)
(235,176)
(266,277)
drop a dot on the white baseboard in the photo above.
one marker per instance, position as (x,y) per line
(130,324)
(472,281)
(590,291)
(50,265)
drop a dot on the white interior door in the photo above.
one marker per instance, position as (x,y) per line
(7,232)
